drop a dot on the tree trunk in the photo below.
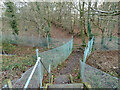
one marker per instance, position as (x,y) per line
(88,22)
(81,23)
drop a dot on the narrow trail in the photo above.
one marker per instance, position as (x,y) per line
(72,63)
(69,67)
(60,33)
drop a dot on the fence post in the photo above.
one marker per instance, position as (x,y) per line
(47,41)
(40,71)
(72,44)
(93,44)
(49,73)
(89,47)
(82,69)
(33,40)
(37,53)
(9,84)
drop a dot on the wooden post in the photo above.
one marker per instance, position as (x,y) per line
(87,86)
(71,79)
(9,84)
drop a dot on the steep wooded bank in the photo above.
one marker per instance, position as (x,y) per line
(78,18)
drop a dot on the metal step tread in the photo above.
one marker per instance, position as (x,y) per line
(73,85)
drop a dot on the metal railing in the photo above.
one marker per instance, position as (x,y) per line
(35,66)
(46,61)
(28,81)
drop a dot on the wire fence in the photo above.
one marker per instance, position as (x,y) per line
(50,59)
(96,78)
(33,41)
(99,79)
(107,44)
(87,52)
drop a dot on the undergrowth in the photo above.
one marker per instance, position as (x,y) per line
(6,46)
(15,62)
(15,65)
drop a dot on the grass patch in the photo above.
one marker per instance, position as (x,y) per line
(15,65)
(8,47)
(16,62)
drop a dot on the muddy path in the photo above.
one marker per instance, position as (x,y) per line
(71,64)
